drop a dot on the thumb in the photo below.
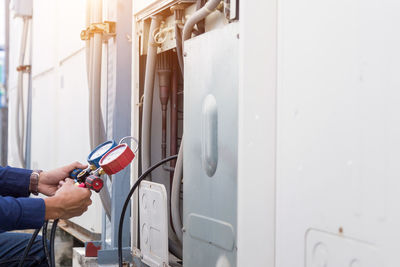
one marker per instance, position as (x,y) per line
(69,181)
(77,164)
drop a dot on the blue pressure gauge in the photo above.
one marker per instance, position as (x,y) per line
(95,156)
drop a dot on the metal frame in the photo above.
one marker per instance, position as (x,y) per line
(119,59)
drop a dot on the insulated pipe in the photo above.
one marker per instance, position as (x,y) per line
(93,65)
(203,12)
(87,42)
(178,12)
(20,110)
(148,94)
(28,136)
(175,191)
(201,24)
(97,125)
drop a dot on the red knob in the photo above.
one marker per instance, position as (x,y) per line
(94,183)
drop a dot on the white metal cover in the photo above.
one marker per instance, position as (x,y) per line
(153,223)
(210,150)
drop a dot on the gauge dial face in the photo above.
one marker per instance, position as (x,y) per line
(101,151)
(113,155)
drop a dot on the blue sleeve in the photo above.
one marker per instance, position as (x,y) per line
(21,213)
(14,182)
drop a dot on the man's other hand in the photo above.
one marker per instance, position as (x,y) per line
(69,201)
(49,180)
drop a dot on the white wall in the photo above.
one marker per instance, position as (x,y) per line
(60,131)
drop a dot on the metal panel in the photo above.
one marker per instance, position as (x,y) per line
(338,127)
(118,105)
(210,196)
(257,134)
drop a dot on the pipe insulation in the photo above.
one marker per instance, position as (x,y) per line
(87,42)
(94,14)
(20,110)
(199,15)
(179,13)
(148,94)
(175,191)
(96,120)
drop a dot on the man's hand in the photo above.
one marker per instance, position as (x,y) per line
(49,180)
(69,201)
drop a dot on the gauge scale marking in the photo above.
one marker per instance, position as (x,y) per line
(101,151)
(95,156)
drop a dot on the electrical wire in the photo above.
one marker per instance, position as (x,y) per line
(44,242)
(52,239)
(127,200)
(28,247)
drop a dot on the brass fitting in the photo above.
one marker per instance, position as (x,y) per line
(107,29)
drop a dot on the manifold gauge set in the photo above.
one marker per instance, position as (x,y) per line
(107,158)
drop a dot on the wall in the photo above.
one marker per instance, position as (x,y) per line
(60,133)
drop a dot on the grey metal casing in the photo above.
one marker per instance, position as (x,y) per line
(210,151)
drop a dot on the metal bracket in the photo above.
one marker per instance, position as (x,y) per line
(24,68)
(107,29)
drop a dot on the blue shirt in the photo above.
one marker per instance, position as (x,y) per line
(17,210)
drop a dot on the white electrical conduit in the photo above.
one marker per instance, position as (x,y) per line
(20,110)
(94,14)
(200,14)
(148,94)
(203,12)
(175,192)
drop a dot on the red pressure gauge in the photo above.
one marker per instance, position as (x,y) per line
(116,159)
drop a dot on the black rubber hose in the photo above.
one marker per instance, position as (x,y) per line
(28,247)
(44,242)
(127,200)
(52,239)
